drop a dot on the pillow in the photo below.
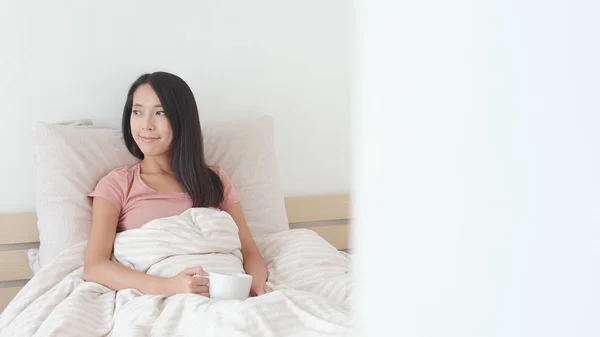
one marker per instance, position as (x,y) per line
(246,151)
(71,159)
(77,122)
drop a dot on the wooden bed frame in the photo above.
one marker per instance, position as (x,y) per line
(328,215)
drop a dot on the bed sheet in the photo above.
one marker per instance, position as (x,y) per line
(312,282)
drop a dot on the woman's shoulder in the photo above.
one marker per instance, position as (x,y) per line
(125,170)
(220,172)
(114,186)
(216,169)
(121,174)
(230,194)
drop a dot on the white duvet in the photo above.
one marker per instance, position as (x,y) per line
(312,281)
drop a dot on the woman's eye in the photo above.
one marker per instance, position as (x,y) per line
(160,113)
(136,112)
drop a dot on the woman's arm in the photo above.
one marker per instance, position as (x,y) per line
(254,264)
(99,268)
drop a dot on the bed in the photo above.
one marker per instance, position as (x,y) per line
(327,215)
(304,240)
(318,225)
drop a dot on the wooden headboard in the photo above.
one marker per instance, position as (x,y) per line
(328,215)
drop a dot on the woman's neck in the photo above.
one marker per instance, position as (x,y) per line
(156,164)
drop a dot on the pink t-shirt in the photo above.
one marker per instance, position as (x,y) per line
(138,203)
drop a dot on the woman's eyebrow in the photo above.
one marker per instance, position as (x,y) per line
(156,106)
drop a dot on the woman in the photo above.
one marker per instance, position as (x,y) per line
(162,128)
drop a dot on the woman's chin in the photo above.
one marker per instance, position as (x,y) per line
(152,152)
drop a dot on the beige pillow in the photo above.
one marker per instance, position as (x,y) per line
(71,159)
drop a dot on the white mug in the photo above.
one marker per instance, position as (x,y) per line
(228,287)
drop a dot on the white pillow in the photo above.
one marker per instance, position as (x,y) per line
(246,151)
(70,160)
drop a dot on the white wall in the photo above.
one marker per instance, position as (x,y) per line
(478,168)
(65,60)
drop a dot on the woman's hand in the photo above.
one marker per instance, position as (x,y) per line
(185,282)
(255,266)
(257,290)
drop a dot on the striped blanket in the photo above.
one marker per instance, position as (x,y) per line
(312,283)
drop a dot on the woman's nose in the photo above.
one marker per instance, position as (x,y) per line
(148,124)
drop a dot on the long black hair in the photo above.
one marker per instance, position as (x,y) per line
(188,164)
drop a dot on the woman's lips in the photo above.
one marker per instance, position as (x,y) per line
(148,139)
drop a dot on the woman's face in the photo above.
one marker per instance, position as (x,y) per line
(150,126)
